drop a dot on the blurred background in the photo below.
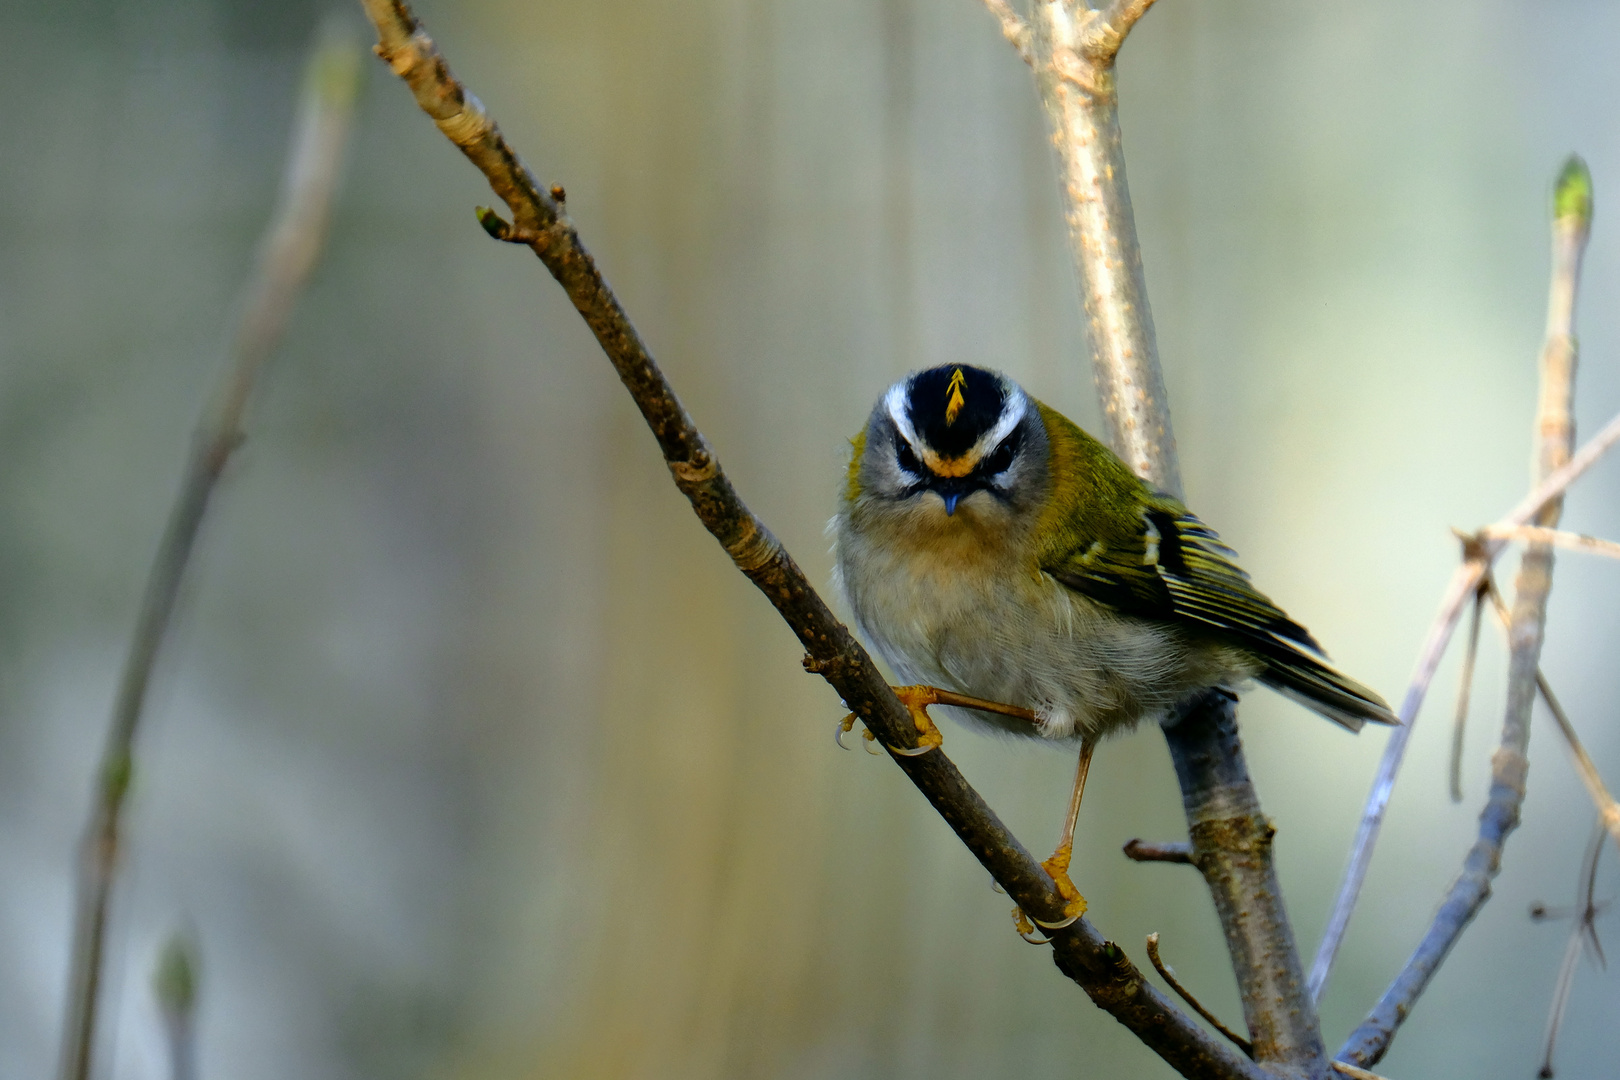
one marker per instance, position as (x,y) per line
(472,756)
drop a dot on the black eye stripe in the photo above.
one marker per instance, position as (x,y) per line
(1000,459)
(904,457)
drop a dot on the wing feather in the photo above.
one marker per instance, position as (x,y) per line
(1174,568)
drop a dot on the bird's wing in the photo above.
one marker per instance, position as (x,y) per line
(1173,568)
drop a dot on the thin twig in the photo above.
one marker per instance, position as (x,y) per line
(1608,810)
(1464,583)
(1013,27)
(1555,439)
(174,983)
(291,248)
(1569,541)
(1169,976)
(1465,686)
(1149,851)
(1586,911)
(1354,1073)
(1099,966)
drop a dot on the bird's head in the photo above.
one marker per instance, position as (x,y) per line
(953,441)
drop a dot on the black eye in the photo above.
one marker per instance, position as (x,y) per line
(1001,460)
(905,458)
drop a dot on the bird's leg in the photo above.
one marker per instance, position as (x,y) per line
(916,699)
(1058,864)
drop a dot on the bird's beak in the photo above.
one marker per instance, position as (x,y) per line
(951,499)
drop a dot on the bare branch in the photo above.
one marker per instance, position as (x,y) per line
(1536,534)
(1148,851)
(1555,433)
(1099,966)
(1608,810)
(1463,585)
(1465,686)
(1465,581)
(174,983)
(1354,1073)
(1074,49)
(1556,482)
(1013,27)
(1169,976)
(1123,14)
(1584,930)
(291,248)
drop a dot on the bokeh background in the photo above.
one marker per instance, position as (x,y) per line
(472,756)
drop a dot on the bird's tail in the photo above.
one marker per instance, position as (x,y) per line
(1321,689)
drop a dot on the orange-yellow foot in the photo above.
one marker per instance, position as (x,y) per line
(916,699)
(1074,905)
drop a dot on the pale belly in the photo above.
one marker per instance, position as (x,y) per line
(1024,639)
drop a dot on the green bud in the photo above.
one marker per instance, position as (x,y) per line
(175,979)
(1572,195)
(492,223)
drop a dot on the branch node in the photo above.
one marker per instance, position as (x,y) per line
(501,229)
(558,193)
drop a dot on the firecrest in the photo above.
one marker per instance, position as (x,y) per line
(1000,556)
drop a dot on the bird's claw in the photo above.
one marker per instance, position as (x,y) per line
(1026,928)
(845,726)
(842,728)
(1074,905)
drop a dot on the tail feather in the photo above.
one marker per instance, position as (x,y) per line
(1320,688)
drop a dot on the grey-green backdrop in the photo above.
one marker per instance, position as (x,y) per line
(473,757)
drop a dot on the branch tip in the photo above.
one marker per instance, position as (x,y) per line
(1572,195)
(1139,850)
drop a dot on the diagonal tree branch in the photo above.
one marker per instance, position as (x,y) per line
(291,248)
(1555,433)
(1099,966)
(1073,49)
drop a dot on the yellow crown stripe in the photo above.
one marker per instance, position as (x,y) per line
(954,403)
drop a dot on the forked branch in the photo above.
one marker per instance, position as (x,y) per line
(1464,584)
(1509,766)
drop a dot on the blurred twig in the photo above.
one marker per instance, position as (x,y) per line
(1608,810)
(1465,689)
(1572,220)
(1591,545)
(1463,586)
(288,255)
(1584,931)
(538,221)
(174,983)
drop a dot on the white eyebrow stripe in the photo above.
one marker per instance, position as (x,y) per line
(1012,414)
(895,402)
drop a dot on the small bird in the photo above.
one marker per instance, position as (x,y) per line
(1018,571)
